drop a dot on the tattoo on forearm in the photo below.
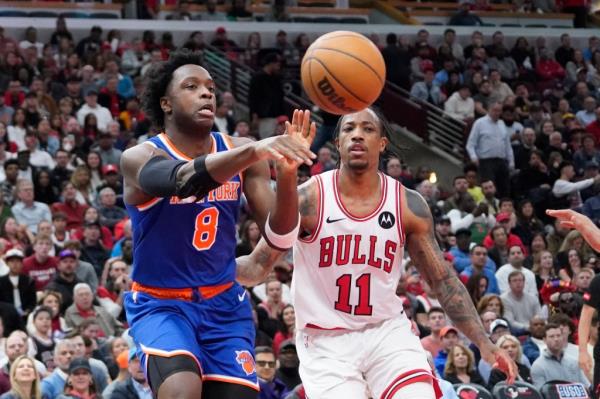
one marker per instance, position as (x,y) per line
(440,275)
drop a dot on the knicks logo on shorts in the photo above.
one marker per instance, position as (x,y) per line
(245,359)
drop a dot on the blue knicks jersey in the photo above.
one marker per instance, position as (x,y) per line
(186,245)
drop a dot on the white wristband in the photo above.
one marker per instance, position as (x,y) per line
(284,241)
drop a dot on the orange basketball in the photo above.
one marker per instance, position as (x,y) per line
(343,72)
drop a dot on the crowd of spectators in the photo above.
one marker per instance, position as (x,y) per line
(68,110)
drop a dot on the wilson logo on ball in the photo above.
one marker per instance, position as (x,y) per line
(328,91)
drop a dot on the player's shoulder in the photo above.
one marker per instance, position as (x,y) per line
(415,210)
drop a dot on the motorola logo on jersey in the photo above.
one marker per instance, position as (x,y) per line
(386,220)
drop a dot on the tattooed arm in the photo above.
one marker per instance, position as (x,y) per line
(253,269)
(441,277)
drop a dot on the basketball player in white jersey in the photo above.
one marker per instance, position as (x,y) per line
(353,339)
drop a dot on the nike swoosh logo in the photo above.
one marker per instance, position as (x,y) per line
(333,220)
(241,297)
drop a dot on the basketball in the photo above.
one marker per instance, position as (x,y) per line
(343,72)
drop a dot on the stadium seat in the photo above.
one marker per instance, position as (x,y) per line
(510,25)
(472,391)
(13,13)
(104,15)
(433,23)
(326,20)
(353,20)
(43,14)
(303,19)
(563,389)
(518,390)
(488,24)
(536,26)
(74,14)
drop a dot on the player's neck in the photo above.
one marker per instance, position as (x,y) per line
(193,144)
(358,184)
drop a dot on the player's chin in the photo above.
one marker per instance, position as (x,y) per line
(358,164)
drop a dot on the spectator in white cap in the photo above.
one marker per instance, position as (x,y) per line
(17,288)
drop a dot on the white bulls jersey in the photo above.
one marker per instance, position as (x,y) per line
(347,271)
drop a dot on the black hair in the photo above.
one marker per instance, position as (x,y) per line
(10,162)
(42,309)
(470,167)
(393,150)
(391,38)
(158,78)
(263,349)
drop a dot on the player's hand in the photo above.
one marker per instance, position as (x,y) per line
(585,362)
(500,359)
(568,218)
(294,145)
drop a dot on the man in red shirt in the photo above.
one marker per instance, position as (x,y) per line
(40,266)
(70,207)
(437,320)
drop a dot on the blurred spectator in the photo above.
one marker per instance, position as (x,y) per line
(426,90)
(81,348)
(40,266)
(273,304)
(65,279)
(460,105)
(324,162)
(519,306)
(17,288)
(397,61)
(27,211)
(85,271)
(515,263)
(564,187)
(91,106)
(460,366)
(512,346)
(24,380)
(42,338)
(552,363)
(90,45)
(136,385)
(17,345)
(449,337)
(182,11)
(287,372)
(436,318)
(110,214)
(53,385)
(489,148)
(212,14)
(534,344)
(265,96)
(287,327)
(588,114)
(83,309)
(238,11)
(270,386)
(249,235)
(547,69)
(479,260)
(80,383)
(464,17)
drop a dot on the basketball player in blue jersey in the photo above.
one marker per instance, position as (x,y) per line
(191,322)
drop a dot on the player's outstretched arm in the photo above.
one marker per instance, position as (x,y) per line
(277,214)
(440,275)
(573,220)
(155,174)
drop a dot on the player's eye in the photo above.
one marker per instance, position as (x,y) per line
(211,89)
(190,86)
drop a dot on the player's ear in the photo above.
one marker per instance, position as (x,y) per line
(165,105)
(337,144)
(383,143)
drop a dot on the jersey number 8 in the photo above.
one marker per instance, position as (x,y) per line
(205,231)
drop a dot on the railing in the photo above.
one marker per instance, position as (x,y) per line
(432,124)
(230,75)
